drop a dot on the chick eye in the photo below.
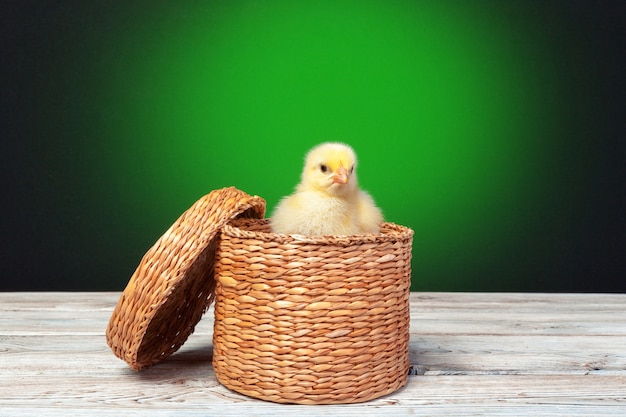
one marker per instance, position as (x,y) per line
(323,168)
(351,169)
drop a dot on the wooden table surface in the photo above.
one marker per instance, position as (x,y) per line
(472,354)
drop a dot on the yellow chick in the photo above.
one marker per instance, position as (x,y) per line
(328,200)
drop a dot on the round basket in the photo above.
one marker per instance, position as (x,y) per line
(312,320)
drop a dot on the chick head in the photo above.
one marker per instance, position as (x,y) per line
(331,168)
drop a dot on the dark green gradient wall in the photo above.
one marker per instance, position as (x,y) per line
(494,129)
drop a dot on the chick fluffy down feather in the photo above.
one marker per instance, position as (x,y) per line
(328,200)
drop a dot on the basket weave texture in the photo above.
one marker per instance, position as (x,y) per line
(312,320)
(173,285)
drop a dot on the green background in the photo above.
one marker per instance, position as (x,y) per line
(490,128)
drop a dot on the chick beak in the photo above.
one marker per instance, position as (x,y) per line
(341,177)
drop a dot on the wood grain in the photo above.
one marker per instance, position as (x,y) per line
(472,354)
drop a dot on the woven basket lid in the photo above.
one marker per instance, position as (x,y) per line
(174,285)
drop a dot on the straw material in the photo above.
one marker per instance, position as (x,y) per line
(173,284)
(312,320)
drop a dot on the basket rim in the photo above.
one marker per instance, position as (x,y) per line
(390,232)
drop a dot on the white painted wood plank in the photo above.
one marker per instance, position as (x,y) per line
(147,393)
(430,355)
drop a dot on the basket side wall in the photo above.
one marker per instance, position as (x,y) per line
(313,324)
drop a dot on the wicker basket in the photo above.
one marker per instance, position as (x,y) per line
(312,320)
(297,320)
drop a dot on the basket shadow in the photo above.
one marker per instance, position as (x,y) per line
(184,364)
(197,355)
